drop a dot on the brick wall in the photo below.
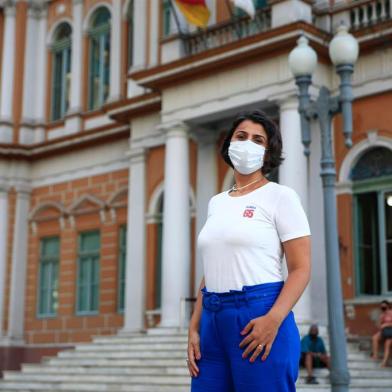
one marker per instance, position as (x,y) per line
(85,215)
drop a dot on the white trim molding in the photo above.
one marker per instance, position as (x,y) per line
(354,154)
(90,13)
(53,28)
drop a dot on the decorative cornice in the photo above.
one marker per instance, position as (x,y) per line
(63,144)
(123,110)
(23,188)
(136,155)
(37,9)
(9,7)
(175,128)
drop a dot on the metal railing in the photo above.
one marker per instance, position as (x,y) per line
(369,13)
(227,32)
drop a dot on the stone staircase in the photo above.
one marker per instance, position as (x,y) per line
(155,362)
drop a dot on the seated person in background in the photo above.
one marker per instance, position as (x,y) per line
(313,353)
(384,334)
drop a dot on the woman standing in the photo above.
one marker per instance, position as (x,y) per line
(242,334)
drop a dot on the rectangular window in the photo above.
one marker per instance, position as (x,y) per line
(61,82)
(88,273)
(122,267)
(99,69)
(387,201)
(367,243)
(373,242)
(48,276)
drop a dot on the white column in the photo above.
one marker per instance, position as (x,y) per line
(135,291)
(176,225)
(7,75)
(73,120)
(294,173)
(154,32)
(139,43)
(115,54)
(206,186)
(3,249)
(34,76)
(19,263)
(42,79)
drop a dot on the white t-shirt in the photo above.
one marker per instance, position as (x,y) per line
(240,242)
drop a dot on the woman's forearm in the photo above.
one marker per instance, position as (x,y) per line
(196,315)
(292,290)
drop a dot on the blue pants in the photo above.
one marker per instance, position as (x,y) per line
(221,366)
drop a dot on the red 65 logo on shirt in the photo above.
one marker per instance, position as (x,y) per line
(248,212)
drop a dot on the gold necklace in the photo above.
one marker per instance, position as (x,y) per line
(234,188)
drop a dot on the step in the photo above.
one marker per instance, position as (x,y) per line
(178,369)
(118,340)
(168,352)
(180,346)
(97,387)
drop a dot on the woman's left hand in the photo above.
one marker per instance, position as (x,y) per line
(265,329)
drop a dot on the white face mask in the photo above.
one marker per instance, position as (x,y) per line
(246,156)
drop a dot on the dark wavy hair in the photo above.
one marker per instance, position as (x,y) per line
(273,155)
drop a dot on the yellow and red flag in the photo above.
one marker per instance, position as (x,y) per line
(196,12)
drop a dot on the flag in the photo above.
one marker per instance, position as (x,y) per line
(196,12)
(245,5)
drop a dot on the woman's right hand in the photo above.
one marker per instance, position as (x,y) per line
(193,351)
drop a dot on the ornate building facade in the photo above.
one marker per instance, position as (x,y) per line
(110,127)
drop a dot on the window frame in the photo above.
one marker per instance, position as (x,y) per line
(52,260)
(379,185)
(166,19)
(100,34)
(96,253)
(122,266)
(63,46)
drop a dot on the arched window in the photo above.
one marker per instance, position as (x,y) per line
(99,59)
(61,79)
(372,195)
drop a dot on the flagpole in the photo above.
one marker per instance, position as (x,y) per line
(180,32)
(233,18)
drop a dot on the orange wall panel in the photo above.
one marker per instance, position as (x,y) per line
(67,326)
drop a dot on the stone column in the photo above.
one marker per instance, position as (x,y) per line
(206,185)
(135,287)
(73,120)
(294,173)
(33,118)
(3,249)
(19,262)
(115,55)
(176,224)
(139,43)
(7,75)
